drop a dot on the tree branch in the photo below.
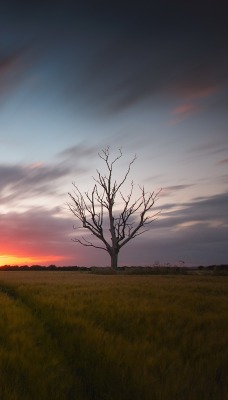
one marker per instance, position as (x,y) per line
(86,243)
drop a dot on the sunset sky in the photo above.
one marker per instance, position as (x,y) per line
(153,80)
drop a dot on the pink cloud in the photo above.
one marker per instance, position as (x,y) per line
(193,98)
(191,91)
(224,161)
(203,92)
(182,112)
(184,109)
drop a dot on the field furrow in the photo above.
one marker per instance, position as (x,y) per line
(32,366)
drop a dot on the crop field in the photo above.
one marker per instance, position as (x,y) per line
(74,335)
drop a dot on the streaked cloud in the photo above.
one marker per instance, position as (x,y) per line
(141,56)
(211,210)
(130,66)
(182,112)
(201,92)
(77,153)
(224,161)
(171,190)
(27,181)
(195,244)
(14,66)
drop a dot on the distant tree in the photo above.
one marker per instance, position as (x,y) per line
(95,208)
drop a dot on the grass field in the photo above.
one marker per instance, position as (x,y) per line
(70,335)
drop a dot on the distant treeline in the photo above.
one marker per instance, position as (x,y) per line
(221,269)
(42,268)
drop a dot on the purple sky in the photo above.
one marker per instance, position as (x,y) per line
(152,80)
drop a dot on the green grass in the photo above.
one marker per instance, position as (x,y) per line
(69,335)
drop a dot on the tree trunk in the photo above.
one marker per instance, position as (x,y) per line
(114,260)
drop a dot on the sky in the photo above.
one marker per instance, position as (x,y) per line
(152,80)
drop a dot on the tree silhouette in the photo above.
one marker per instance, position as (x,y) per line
(95,210)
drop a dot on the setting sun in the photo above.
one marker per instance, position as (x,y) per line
(8,259)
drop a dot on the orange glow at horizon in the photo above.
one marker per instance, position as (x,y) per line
(8,259)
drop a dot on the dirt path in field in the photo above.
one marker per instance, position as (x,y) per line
(33,363)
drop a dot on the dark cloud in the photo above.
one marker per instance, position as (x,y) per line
(224,161)
(169,52)
(211,146)
(195,232)
(78,158)
(110,56)
(197,244)
(214,149)
(77,152)
(224,178)
(171,190)
(15,64)
(26,181)
(209,210)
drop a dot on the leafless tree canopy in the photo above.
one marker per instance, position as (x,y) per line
(91,209)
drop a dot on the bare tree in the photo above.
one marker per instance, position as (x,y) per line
(95,208)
